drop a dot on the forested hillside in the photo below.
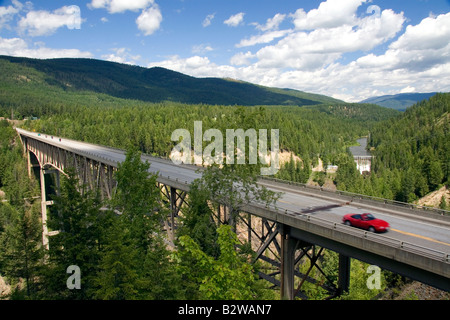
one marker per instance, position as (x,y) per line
(416,145)
(148,84)
(309,133)
(411,154)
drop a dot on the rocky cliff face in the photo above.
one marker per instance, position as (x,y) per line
(5,289)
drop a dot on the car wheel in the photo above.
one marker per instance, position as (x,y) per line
(347,223)
(371,229)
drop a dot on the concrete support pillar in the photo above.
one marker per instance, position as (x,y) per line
(29,163)
(344,273)
(288,248)
(219,213)
(45,203)
(173,211)
(44,210)
(249,229)
(58,182)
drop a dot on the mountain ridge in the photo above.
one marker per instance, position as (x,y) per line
(400,101)
(158,84)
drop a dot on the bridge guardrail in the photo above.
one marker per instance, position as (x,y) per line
(356,196)
(120,151)
(378,238)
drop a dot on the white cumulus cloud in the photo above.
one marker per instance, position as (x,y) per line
(196,66)
(329,14)
(315,49)
(421,47)
(201,48)
(208,19)
(117,6)
(149,20)
(235,20)
(242,58)
(262,38)
(7,13)
(121,55)
(18,47)
(271,23)
(40,23)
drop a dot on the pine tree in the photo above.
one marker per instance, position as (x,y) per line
(443,203)
(234,186)
(22,253)
(77,216)
(117,277)
(435,175)
(135,263)
(198,221)
(136,197)
(229,277)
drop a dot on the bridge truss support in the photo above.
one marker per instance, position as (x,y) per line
(289,261)
(175,200)
(293,252)
(52,161)
(92,173)
(271,241)
(284,258)
(279,252)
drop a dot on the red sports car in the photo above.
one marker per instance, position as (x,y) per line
(365,221)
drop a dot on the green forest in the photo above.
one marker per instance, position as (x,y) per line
(124,256)
(411,154)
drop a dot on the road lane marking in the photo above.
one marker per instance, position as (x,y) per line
(419,236)
(395,230)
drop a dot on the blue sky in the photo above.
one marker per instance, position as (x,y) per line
(348,49)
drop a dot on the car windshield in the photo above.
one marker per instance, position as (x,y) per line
(368,216)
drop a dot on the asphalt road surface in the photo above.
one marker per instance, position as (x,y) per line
(427,233)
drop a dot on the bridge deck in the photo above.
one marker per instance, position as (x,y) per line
(418,241)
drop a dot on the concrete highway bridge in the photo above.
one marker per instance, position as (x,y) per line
(303,221)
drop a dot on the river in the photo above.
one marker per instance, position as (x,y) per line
(360,151)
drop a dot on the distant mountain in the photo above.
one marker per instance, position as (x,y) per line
(399,101)
(159,84)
